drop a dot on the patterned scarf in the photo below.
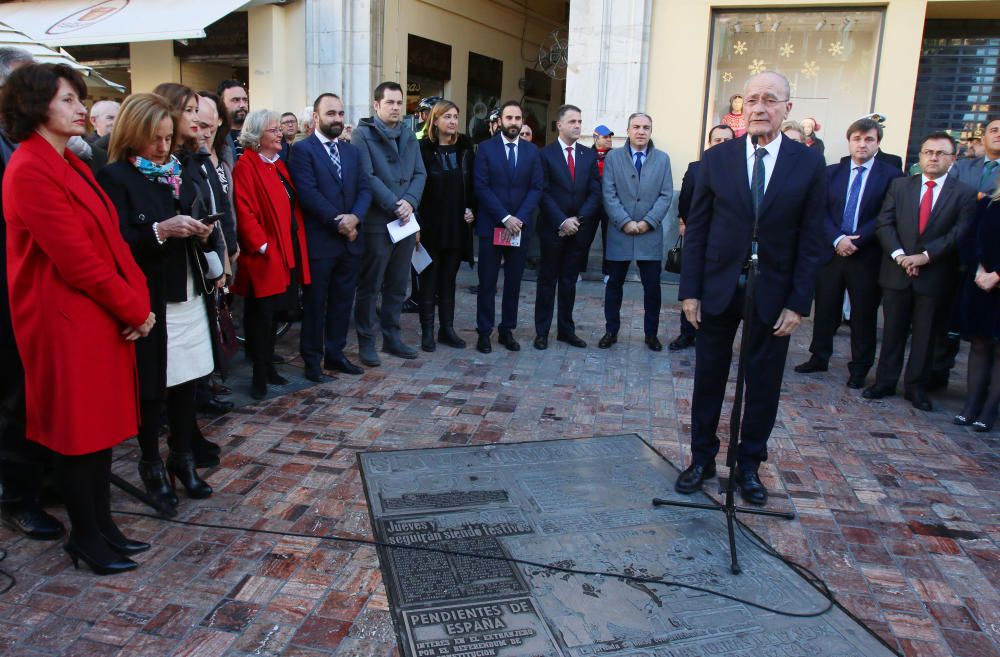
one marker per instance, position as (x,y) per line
(164,174)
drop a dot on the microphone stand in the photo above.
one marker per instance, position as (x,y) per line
(730,508)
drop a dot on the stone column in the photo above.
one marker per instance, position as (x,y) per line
(153,62)
(343,51)
(608,60)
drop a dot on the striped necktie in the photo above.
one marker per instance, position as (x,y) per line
(335,156)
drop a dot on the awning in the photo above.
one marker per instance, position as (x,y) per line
(90,22)
(11,38)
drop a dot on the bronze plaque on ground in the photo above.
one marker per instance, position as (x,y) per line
(582,504)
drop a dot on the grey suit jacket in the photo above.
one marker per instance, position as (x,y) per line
(631,197)
(971,173)
(898,227)
(394,172)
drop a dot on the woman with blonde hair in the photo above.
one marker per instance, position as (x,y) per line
(446,216)
(273,260)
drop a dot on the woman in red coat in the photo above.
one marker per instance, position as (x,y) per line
(273,257)
(77,300)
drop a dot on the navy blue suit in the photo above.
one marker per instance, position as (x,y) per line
(499,194)
(334,261)
(857,273)
(564,197)
(716,247)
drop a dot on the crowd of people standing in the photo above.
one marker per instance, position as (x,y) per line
(189,193)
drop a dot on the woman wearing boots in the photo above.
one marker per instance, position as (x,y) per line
(144,182)
(446,216)
(273,256)
(78,303)
(980,317)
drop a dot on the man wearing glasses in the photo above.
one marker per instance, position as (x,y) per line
(289,128)
(920,224)
(784,184)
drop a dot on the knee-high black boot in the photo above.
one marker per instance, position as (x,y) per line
(151,470)
(181,418)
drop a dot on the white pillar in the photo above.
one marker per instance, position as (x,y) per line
(340,35)
(608,60)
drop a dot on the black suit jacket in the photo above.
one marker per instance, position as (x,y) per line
(899,228)
(687,191)
(720,228)
(497,193)
(567,197)
(324,195)
(838,177)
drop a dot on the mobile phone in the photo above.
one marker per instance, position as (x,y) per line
(212,218)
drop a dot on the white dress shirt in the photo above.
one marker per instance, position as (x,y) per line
(935,193)
(867,166)
(769,160)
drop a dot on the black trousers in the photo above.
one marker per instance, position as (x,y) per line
(765,366)
(917,316)
(588,233)
(326,307)
(652,296)
(687,328)
(858,275)
(259,325)
(491,257)
(437,287)
(557,270)
(20,459)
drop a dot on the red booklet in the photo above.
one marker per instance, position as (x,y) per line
(503,238)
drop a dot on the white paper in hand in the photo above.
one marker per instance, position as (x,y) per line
(420,258)
(398,231)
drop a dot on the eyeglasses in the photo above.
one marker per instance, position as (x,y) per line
(767,101)
(289,122)
(274,131)
(936,154)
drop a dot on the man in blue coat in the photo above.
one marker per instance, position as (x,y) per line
(570,208)
(508,183)
(784,184)
(335,194)
(852,255)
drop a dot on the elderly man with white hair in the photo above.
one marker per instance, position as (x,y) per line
(102,119)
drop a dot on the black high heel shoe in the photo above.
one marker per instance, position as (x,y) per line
(982,427)
(180,465)
(961,420)
(76,554)
(154,479)
(125,547)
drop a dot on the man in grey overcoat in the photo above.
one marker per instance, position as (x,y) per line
(391,158)
(638,187)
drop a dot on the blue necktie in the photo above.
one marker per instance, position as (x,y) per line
(638,162)
(511,160)
(851,209)
(335,156)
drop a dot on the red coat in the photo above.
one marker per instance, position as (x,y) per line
(73,288)
(264,216)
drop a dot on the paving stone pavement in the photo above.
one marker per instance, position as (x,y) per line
(897,509)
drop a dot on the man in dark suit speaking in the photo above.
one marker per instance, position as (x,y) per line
(784,182)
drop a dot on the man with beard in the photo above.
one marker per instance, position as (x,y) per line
(508,183)
(334,192)
(234,97)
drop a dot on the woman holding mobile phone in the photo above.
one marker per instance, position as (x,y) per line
(144,182)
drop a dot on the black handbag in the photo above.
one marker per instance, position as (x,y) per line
(673,264)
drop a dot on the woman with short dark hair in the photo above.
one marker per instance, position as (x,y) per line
(78,302)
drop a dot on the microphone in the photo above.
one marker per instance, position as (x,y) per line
(753,140)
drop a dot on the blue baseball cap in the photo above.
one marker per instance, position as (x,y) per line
(603,131)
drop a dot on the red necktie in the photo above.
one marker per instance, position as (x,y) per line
(572,165)
(925,205)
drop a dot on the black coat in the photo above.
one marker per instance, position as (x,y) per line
(6,330)
(140,203)
(979,310)
(436,192)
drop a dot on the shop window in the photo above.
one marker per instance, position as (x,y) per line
(829,57)
(428,70)
(485,85)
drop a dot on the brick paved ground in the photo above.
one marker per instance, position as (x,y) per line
(897,509)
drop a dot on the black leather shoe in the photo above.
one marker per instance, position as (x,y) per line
(878,391)
(654,343)
(400,350)
(275,379)
(751,488)
(447,336)
(30,520)
(856,381)
(483,344)
(681,342)
(126,547)
(607,340)
(572,339)
(342,365)
(316,375)
(541,342)
(919,399)
(814,364)
(691,480)
(215,406)
(507,340)
(961,420)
